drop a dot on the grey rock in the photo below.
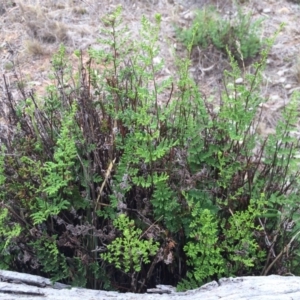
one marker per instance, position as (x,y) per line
(2,10)
(14,286)
(239,80)
(267,10)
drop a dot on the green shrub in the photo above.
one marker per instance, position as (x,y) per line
(203,255)
(100,175)
(128,252)
(240,34)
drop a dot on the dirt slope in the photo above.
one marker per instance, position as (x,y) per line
(31,31)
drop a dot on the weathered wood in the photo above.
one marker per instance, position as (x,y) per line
(15,277)
(15,286)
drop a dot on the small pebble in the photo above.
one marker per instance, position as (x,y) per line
(274,97)
(280,73)
(34,83)
(189,15)
(157,60)
(239,80)
(266,10)
(288,86)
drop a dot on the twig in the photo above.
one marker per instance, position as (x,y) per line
(150,226)
(286,249)
(107,174)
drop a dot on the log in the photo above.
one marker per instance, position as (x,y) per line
(15,286)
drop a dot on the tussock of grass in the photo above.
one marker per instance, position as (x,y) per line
(79,10)
(34,47)
(41,28)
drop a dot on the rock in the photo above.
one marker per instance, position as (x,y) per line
(15,286)
(266,10)
(239,80)
(280,73)
(34,83)
(288,86)
(189,15)
(268,61)
(157,60)
(274,98)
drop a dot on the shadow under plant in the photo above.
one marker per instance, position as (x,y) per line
(104,187)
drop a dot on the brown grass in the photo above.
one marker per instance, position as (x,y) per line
(297,69)
(79,10)
(40,27)
(34,47)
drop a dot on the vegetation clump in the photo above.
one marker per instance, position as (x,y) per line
(119,180)
(238,34)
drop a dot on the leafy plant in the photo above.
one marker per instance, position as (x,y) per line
(209,27)
(129,251)
(203,253)
(115,165)
(58,174)
(239,240)
(52,261)
(8,232)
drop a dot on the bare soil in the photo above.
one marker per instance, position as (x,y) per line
(31,31)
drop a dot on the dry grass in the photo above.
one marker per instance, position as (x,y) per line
(79,10)
(34,47)
(42,28)
(297,69)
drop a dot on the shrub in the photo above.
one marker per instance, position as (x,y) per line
(240,35)
(127,253)
(98,176)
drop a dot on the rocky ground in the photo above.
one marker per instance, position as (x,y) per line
(31,31)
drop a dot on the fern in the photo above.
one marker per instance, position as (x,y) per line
(165,204)
(204,255)
(239,237)
(9,231)
(52,261)
(128,252)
